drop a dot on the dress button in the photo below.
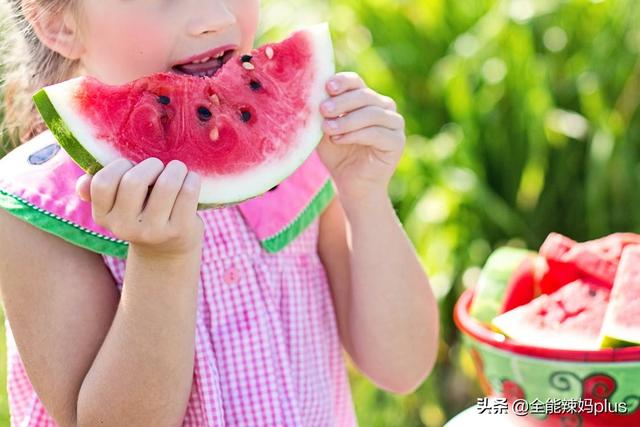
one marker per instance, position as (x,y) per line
(231,276)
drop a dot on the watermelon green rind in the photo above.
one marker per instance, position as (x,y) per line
(290,232)
(60,227)
(610,342)
(494,278)
(216,191)
(63,134)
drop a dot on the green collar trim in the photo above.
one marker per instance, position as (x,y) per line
(304,218)
(61,227)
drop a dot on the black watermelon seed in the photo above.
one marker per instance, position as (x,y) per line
(255,85)
(245,115)
(246,58)
(164,100)
(273,188)
(204,114)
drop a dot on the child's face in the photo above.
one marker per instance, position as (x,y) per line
(126,39)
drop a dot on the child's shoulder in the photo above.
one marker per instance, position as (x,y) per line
(37,185)
(18,189)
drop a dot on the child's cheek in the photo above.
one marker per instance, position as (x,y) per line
(247,14)
(137,46)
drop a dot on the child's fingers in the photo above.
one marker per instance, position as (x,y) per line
(364,117)
(83,187)
(343,82)
(353,100)
(104,186)
(187,200)
(378,137)
(134,187)
(164,193)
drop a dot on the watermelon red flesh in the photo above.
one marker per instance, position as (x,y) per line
(243,130)
(522,286)
(558,272)
(622,320)
(140,125)
(569,318)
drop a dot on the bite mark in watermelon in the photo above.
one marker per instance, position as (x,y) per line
(569,318)
(622,320)
(244,130)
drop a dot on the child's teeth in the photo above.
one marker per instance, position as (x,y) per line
(220,55)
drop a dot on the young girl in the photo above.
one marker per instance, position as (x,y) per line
(127,307)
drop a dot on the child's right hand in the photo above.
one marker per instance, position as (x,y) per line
(165,224)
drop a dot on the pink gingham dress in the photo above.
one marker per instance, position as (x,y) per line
(267,348)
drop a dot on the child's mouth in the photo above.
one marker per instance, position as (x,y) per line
(205,67)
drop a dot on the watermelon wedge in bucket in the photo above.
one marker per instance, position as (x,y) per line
(244,129)
(569,318)
(622,320)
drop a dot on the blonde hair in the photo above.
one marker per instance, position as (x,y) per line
(27,65)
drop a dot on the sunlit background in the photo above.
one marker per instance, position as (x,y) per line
(522,119)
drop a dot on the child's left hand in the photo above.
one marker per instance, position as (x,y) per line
(362,150)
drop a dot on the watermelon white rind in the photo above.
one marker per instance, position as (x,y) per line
(79,138)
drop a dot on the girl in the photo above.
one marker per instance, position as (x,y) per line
(197,323)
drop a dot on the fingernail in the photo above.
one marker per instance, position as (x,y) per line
(329,106)
(333,85)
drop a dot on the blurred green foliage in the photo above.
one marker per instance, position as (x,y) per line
(522,119)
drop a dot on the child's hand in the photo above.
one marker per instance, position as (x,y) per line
(165,223)
(363,148)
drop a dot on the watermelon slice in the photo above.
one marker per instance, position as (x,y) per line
(622,321)
(595,260)
(599,258)
(494,281)
(569,318)
(244,130)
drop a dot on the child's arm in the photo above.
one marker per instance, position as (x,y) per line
(92,357)
(386,311)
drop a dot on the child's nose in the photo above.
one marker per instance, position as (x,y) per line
(212,16)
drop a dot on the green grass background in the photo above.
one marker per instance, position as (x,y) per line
(522,119)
